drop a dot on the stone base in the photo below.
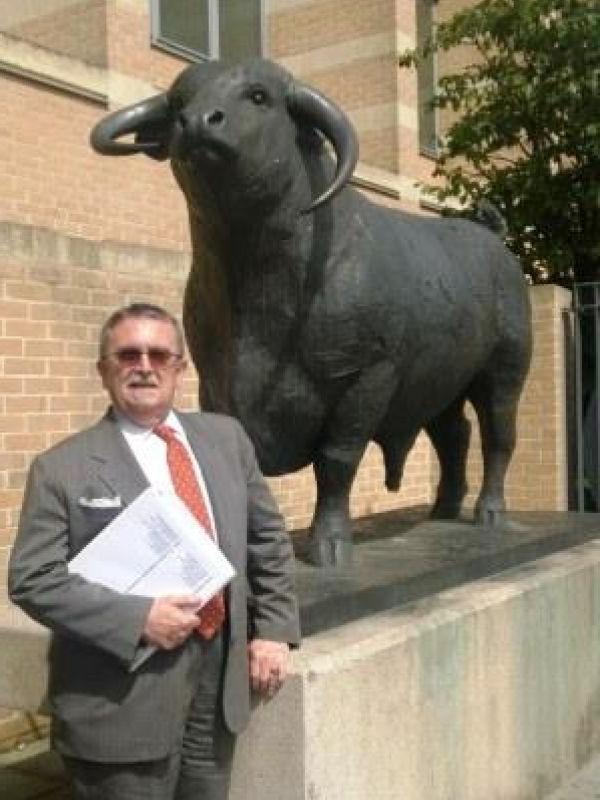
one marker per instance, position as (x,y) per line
(488,691)
(423,686)
(401,555)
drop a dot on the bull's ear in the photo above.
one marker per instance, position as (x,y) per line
(148,121)
(313,108)
(153,140)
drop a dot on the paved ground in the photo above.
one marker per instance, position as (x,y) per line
(32,773)
(585,785)
(35,774)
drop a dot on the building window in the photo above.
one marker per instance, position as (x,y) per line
(427,80)
(202,29)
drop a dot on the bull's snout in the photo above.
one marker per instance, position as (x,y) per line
(214,118)
(190,121)
(202,135)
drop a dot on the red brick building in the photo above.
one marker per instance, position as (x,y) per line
(81,234)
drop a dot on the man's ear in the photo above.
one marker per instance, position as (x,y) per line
(181,368)
(157,135)
(100,369)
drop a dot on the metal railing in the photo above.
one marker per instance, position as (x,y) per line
(586,335)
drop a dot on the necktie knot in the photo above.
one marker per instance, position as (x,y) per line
(165,432)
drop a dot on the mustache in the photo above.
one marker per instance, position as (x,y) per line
(142,381)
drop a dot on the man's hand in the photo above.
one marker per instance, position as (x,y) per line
(269,662)
(171,620)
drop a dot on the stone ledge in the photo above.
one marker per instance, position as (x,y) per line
(488,689)
(23,652)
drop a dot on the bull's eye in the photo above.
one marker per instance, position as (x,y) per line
(258,97)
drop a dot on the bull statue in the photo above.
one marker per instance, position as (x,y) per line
(318,318)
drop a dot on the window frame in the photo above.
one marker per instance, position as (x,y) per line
(191,54)
(425,148)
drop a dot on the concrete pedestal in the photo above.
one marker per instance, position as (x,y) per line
(424,678)
(488,691)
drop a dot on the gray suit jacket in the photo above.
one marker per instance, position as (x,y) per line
(101,711)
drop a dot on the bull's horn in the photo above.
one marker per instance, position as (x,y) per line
(145,119)
(312,107)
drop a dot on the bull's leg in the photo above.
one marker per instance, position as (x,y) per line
(347,434)
(495,399)
(450,433)
(331,534)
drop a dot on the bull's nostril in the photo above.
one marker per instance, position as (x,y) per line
(215,117)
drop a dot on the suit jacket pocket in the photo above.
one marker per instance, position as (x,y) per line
(87,522)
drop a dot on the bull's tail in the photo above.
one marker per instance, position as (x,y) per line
(484,213)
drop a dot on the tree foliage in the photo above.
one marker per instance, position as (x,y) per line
(527,132)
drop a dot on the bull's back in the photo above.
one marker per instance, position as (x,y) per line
(450,297)
(442,268)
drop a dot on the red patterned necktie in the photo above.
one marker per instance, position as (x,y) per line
(186,486)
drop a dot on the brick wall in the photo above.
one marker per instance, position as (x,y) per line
(74,28)
(81,234)
(55,291)
(350,51)
(52,179)
(129,51)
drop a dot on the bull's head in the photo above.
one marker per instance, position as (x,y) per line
(213,112)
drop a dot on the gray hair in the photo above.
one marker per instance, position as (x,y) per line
(139,311)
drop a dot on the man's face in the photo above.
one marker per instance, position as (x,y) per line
(141,370)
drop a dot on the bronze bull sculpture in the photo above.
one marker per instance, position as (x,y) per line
(318,318)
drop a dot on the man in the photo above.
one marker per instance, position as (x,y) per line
(166,729)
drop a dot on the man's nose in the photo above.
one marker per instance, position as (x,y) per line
(144,364)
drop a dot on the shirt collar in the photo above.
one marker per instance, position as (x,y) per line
(133,429)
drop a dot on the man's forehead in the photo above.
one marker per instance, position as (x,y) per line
(144,323)
(143,327)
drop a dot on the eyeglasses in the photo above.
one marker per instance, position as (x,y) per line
(159,357)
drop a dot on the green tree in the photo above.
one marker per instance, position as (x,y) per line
(526,135)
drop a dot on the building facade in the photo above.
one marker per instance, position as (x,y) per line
(81,234)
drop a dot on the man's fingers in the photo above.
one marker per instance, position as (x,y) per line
(268,666)
(259,673)
(189,602)
(274,682)
(170,621)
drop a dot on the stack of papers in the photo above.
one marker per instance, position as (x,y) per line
(155,547)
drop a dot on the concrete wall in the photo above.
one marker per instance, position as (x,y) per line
(490,690)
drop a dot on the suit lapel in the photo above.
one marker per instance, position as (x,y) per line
(118,469)
(116,465)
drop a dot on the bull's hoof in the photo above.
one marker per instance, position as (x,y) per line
(490,515)
(445,510)
(327,552)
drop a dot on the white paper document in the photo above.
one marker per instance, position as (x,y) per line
(155,547)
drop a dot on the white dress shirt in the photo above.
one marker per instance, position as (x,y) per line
(150,451)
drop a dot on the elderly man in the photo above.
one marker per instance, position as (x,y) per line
(166,729)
